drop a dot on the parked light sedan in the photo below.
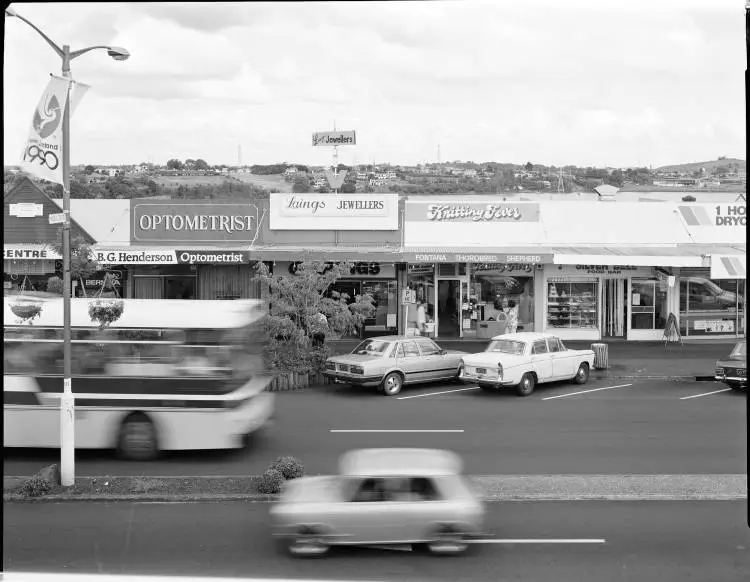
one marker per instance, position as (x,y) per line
(390,362)
(381,496)
(732,370)
(524,360)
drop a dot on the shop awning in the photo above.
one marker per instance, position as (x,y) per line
(657,256)
(728,267)
(327,253)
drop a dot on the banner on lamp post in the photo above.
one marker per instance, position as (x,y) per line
(42,154)
(77,91)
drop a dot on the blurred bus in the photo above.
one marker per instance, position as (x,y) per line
(168,375)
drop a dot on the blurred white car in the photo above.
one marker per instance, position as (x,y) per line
(381,497)
(524,360)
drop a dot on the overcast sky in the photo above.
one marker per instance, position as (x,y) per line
(596,82)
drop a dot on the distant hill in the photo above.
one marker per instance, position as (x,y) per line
(732,163)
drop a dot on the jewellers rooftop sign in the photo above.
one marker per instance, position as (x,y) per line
(479,212)
(334,212)
(153,221)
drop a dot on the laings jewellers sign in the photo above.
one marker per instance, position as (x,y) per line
(481,212)
(334,212)
(176,222)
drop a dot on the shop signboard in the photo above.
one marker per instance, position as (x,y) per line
(481,258)
(188,221)
(480,212)
(334,212)
(715,223)
(29,252)
(334,138)
(135,256)
(359,270)
(214,257)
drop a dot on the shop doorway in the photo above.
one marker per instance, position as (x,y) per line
(614,308)
(449,303)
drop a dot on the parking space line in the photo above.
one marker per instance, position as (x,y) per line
(705,394)
(436,393)
(586,391)
(395,430)
(539,541)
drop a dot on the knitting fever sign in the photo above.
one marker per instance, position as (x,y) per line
(480,212)
(187,221)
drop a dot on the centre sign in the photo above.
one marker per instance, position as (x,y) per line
(334,212)
(153,221)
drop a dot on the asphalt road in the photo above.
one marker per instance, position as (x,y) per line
(613,427)
(642,541)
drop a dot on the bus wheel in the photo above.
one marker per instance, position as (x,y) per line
(137,441)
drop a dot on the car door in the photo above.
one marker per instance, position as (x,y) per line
(563,361)
(361,517)
(434,363)
(541,362)
(411,362)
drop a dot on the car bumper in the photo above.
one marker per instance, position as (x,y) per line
(357,379)
(483,381)
(741,380)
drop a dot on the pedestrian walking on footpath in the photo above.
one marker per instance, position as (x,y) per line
(511,317)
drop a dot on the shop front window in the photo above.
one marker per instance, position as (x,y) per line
(421,279)
(494,291)
(648,301)
(709,307)
(385,298)
(572,305)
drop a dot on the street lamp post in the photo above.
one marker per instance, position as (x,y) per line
(67,401)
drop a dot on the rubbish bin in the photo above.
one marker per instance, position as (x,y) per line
(601,359)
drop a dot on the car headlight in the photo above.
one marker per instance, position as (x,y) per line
(356,369)
(719,371)
(500,370)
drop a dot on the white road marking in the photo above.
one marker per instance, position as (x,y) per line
(586,391)
(436,393)
(705,394)
(395,430)
(539,541)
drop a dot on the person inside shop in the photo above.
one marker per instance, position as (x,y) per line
(421,316)
(511,317)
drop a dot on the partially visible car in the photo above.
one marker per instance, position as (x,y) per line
(732,370)
(391,362)
(389,496)
(524,360)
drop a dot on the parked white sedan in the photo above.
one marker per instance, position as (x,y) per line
(524,360)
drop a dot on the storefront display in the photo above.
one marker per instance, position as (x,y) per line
(493,287)
(421,278)
(710,307)
(572,305)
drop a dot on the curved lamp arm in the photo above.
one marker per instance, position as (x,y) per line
(56,48)
(115,52)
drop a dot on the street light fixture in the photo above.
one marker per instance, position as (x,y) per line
(67,401)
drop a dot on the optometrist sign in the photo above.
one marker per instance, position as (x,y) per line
(190,221)
(334,212)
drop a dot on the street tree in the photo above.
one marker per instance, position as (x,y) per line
(293,322)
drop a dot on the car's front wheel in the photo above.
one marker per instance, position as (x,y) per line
(392,384)
(446,541)
(307,543)
(582,375)
(526,385)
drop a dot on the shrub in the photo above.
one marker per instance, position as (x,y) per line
(289,467)
(55,285)
(35,487)
(270,482)
(105,312)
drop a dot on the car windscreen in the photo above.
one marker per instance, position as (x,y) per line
(372,348)
(740,350)
(507,347)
